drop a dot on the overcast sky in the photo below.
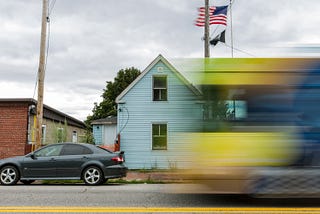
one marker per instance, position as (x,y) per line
(91,40)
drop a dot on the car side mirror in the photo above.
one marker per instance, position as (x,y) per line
(32,156)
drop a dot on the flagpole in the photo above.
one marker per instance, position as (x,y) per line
(206,31)
(231,29)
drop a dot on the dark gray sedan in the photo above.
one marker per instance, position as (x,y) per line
(70,161)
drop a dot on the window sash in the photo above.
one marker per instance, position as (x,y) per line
(159,136)
(159,88)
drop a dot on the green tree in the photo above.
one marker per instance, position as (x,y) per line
(108,106)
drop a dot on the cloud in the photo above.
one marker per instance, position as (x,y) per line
(90,41)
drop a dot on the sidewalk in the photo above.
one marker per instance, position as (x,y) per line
(162,176)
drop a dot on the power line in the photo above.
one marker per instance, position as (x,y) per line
(232,47)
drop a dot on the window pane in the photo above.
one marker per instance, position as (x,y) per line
(49,151)
(163,95)
(156,94)
(75,150)
(155,129)
(159,143)
(160,82)
(163,130)
(160,95)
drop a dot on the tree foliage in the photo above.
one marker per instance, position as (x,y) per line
(108,106)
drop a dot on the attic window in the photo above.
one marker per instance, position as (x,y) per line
(159,88)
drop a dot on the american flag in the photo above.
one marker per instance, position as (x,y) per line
(217,16)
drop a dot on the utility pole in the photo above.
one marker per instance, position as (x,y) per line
(206,31)
(41,74)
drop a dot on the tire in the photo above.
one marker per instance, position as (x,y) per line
(93,175)
(9,175)
(27,182)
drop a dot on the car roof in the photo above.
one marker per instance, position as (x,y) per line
(91,146)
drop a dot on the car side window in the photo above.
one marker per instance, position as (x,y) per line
(75,150)
(49,151)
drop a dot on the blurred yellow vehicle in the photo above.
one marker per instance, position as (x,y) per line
(261,127)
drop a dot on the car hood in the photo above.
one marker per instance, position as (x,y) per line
(12,159)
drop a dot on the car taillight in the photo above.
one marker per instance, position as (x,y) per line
(117,159)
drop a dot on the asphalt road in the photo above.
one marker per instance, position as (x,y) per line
(134,196)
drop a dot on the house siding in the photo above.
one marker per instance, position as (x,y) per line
(138,112)
(97,134)
(52,128)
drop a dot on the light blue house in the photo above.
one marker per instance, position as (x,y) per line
(154,113)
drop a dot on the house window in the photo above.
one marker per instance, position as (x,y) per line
(159,136)
(159,88)
(43,134)
(74,137)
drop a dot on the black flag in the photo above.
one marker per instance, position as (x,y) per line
(219,38)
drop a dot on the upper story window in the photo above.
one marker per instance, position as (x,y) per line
(160,88)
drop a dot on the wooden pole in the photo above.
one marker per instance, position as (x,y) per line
(41,74)
(206,31)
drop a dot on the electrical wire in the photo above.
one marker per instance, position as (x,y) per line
(239,50)
(125,124)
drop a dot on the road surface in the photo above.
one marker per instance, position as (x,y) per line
(150,198)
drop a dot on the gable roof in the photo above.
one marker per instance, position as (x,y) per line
(105,121)
(149,67)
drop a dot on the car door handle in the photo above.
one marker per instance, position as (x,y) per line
(52,159)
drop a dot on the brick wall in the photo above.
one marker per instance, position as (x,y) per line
(13,129)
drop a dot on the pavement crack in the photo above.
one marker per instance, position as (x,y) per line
(84,191)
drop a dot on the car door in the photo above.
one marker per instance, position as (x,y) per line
(42,163)
(71,160)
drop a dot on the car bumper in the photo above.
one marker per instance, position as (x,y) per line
(115,171)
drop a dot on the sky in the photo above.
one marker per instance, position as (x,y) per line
(91,40)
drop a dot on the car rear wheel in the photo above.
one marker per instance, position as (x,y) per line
(93,176)
(9,175)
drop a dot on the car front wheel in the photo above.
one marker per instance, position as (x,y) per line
(9,175)
(93,176)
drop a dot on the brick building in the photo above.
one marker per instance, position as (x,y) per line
(17,126)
